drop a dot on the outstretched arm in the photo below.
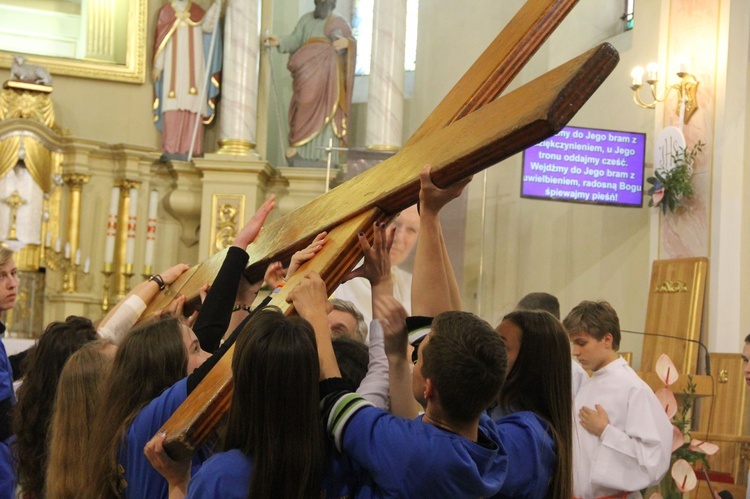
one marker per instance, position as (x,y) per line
(310,299)
(434,286)
(124,315)
(392,318)
(216,312)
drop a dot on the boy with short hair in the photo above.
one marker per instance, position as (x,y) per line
(623,437)
(453,450)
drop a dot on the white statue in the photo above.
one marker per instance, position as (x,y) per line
(29,73)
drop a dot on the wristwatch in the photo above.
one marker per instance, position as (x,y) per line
(159,281)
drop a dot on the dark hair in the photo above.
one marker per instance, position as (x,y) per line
(150,359)
(36,396)
(540,301)
(465,359)
(747,338)
(596,318)
(352,357)
(540,381)
(274,416)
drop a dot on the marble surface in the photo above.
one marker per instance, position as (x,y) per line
(385,106)
(239,90)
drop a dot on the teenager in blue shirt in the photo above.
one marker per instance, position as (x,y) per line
(454,449)
(155,369)
(536,399)
(274,438)
(8,290)
(535,407)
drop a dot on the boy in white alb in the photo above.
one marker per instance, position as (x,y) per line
(623,438)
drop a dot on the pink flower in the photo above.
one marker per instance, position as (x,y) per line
(704,447)
(668,401)
(666,370)
(658,196)
(684,476)
(678,439)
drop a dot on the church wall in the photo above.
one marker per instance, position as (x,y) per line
(574,251)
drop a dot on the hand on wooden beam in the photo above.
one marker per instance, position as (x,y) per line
(432,198)
(176,473)
(310,300)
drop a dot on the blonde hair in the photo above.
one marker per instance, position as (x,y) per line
(78,394)
(6,255)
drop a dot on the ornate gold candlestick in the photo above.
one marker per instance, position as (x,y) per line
(15,201)
(148,271)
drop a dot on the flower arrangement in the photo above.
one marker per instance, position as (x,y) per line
(669,188)
(685,451)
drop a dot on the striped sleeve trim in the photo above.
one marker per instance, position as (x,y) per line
(340,412)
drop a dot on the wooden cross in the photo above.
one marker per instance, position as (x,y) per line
(469,131)
(15,201)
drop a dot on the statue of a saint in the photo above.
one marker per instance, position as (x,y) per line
(181,49)
(323,54)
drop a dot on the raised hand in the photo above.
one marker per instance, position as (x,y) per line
(250,231)
(310,297)
(392,316)
(431,197)
(377,265)
(173,273)
(306,254)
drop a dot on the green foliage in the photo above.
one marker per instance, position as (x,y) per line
(677,182)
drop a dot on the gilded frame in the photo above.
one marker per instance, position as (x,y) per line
(134,69)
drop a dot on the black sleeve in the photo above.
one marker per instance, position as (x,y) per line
(216,311)
(6,427)
(17,363)
(197,376)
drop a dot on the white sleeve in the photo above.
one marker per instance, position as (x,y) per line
(123,319)
(374,388)
(638,456)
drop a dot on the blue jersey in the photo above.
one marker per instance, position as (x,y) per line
(141,480)
(7,398)
(227,475)
(534,460)
(411,458)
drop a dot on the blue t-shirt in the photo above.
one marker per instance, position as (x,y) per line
(141,479)
(7,474)
(227,475)
(411,458)
(525,437)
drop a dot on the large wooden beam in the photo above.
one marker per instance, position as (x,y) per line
(197,417)
(503,59)
(485,137)
(479,140)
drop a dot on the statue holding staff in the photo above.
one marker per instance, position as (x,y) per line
(181,45)
(323,54)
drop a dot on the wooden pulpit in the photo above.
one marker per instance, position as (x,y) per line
(472,129)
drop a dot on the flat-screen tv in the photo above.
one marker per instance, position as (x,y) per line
(586,165)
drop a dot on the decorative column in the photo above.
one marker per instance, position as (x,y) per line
(99,16)
(239,94)
(124,230)
(75,182)
(385,108)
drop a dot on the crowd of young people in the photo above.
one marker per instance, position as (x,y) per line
(439,405)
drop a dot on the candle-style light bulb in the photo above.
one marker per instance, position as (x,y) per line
(637,76)
(683,65)
(652,71)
